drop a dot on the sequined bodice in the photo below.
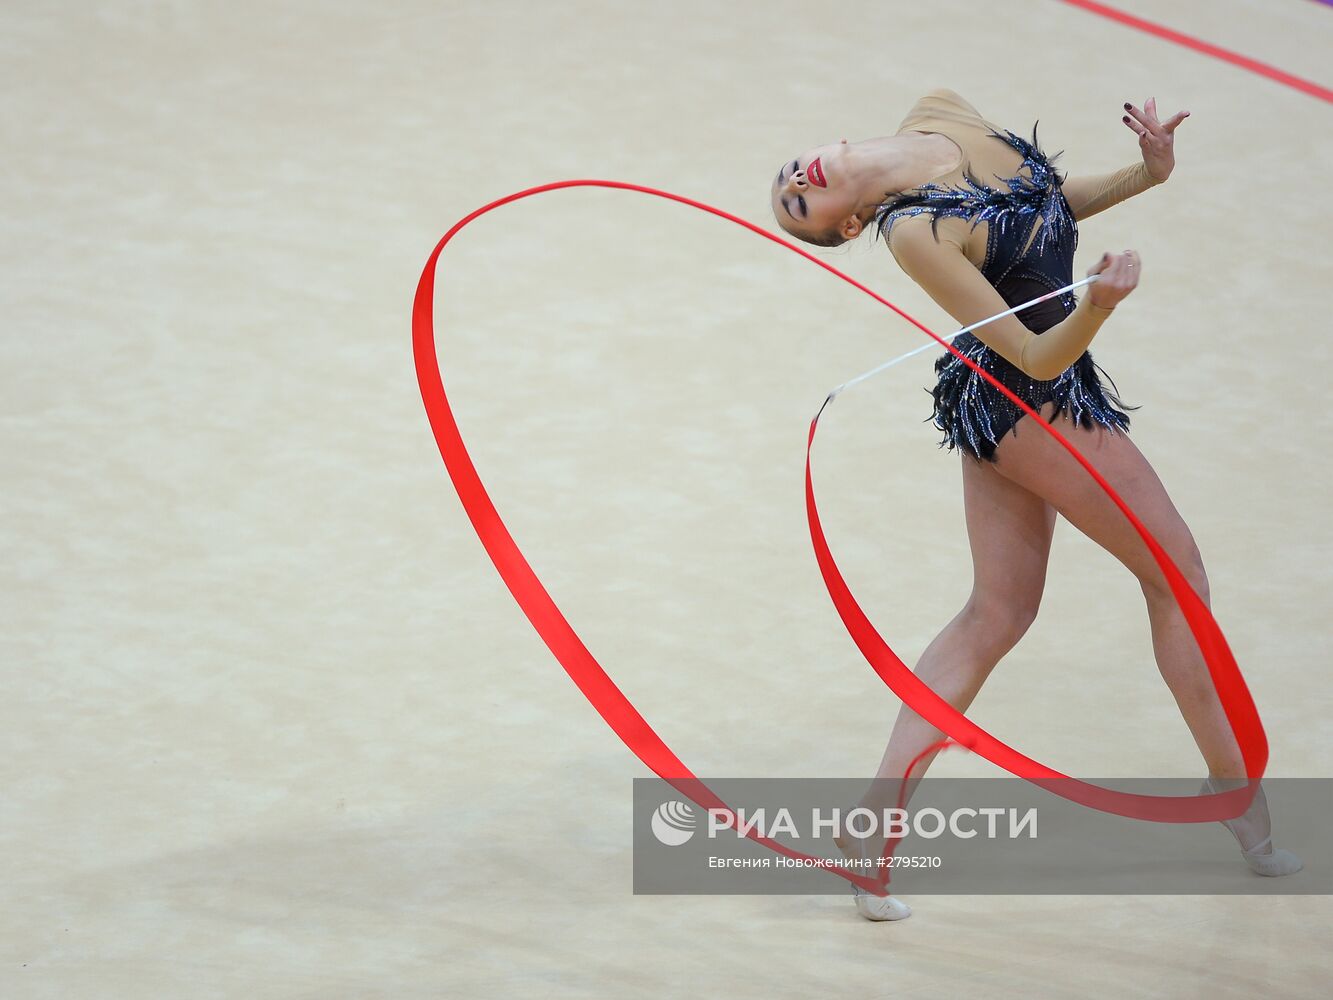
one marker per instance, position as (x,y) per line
(1020,266)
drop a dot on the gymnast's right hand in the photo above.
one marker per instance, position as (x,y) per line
(1118,275)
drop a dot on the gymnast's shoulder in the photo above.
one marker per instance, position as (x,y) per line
(943,104)
(948,96)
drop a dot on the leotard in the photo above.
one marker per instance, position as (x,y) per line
(998,230)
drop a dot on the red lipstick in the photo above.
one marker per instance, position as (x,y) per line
(816,173)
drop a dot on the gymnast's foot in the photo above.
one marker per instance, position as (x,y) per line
(869,905)
(1253,832)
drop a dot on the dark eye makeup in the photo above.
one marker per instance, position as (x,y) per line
(800,199)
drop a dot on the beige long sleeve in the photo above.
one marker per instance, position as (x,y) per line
(953,281)
(1098,192)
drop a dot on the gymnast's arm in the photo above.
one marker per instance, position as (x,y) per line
(955,283)
(1098,192)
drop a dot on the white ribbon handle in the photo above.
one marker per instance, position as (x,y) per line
(925,347)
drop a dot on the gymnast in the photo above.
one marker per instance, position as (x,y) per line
(979,218)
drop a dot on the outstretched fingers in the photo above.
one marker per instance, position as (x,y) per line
(1147,119)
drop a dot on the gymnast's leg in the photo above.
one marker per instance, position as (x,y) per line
(1009,530)
(1035,461)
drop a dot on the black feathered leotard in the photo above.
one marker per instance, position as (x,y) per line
(997,231)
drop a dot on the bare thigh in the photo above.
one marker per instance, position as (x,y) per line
(1037,462)
(1009,530)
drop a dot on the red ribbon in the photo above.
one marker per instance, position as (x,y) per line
(640,737)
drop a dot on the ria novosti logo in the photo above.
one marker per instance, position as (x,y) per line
(673,823)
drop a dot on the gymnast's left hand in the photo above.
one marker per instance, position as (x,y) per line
(1156,138)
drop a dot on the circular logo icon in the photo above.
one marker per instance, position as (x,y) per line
(673,823)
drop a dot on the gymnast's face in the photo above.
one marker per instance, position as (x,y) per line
(813,196)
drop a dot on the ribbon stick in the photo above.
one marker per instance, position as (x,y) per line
(967,329)
(635,731)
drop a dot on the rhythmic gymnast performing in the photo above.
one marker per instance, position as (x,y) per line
(980,219)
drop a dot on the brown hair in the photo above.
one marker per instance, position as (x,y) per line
(832,238)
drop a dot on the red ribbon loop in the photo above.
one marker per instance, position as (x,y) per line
(640,737)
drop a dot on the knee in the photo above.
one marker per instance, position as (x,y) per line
(1190,564)
(1002,619)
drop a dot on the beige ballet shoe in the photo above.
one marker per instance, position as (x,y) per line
(869,905)
(1273,862)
